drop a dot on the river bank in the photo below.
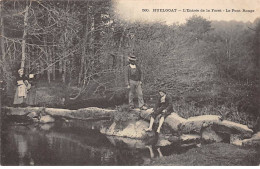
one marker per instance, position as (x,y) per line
(216,154)
(77,142)
(199,140)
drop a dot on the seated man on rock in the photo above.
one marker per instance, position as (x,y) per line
(163,108)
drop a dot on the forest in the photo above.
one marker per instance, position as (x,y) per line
(79,49)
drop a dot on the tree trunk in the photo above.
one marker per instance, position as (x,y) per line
(1,111)
(48,58)
(1,70)
(70,71)
(2,34)
(54,71)
(83,53)
(64,70)
(97,24)
(60,67)
(41,67)
(24,36)
(50,62)
(49,75)
(82,63)
(97,35)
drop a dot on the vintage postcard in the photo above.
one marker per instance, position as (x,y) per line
(130,82)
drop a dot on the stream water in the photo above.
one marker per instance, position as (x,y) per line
(72,143)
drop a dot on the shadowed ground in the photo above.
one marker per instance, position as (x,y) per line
(217,154)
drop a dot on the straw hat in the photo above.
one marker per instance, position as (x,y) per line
(20,70)
(132,57)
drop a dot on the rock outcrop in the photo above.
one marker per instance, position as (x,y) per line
(174,121)
(230,127)
(46,119)
(82,114)
(128,124)
(254,141)
(130,129)
(209,128)
(189,138)
(209,135)
(164,140)
(195,124)
(145,114)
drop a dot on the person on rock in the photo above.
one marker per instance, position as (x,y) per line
(163,108)
(21,90)
(134,81)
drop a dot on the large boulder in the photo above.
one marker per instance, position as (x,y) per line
(254,141)
(33,115)
(230,127)
(47,119)
(174,139)
(195,124)
(130,129)
(174,121)
(146,114)
(163,140)
(190,138)
(209,135)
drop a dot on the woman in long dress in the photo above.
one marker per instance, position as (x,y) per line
(21,90)
(31,95)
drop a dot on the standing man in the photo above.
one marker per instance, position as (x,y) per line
(134,81)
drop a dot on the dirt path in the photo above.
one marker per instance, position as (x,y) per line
(217,154)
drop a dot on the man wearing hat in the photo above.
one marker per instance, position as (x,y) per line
(133,81)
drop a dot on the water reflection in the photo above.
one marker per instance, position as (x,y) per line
(22,147)
(68,144)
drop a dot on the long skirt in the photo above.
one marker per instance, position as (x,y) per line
(17,99)
(31,96)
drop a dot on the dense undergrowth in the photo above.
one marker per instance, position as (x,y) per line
(209,67)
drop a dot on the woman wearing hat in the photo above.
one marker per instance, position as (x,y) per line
(163,108)
(21,90)
(134,81)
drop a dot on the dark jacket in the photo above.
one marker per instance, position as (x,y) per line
(133,74)
(166,105)
(18,78)
(33,81)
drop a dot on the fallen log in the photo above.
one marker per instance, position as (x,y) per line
(82,114)
(195,124)
(230,127)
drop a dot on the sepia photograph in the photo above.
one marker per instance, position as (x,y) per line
(129,83)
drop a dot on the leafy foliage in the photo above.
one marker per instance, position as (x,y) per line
(85,45)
